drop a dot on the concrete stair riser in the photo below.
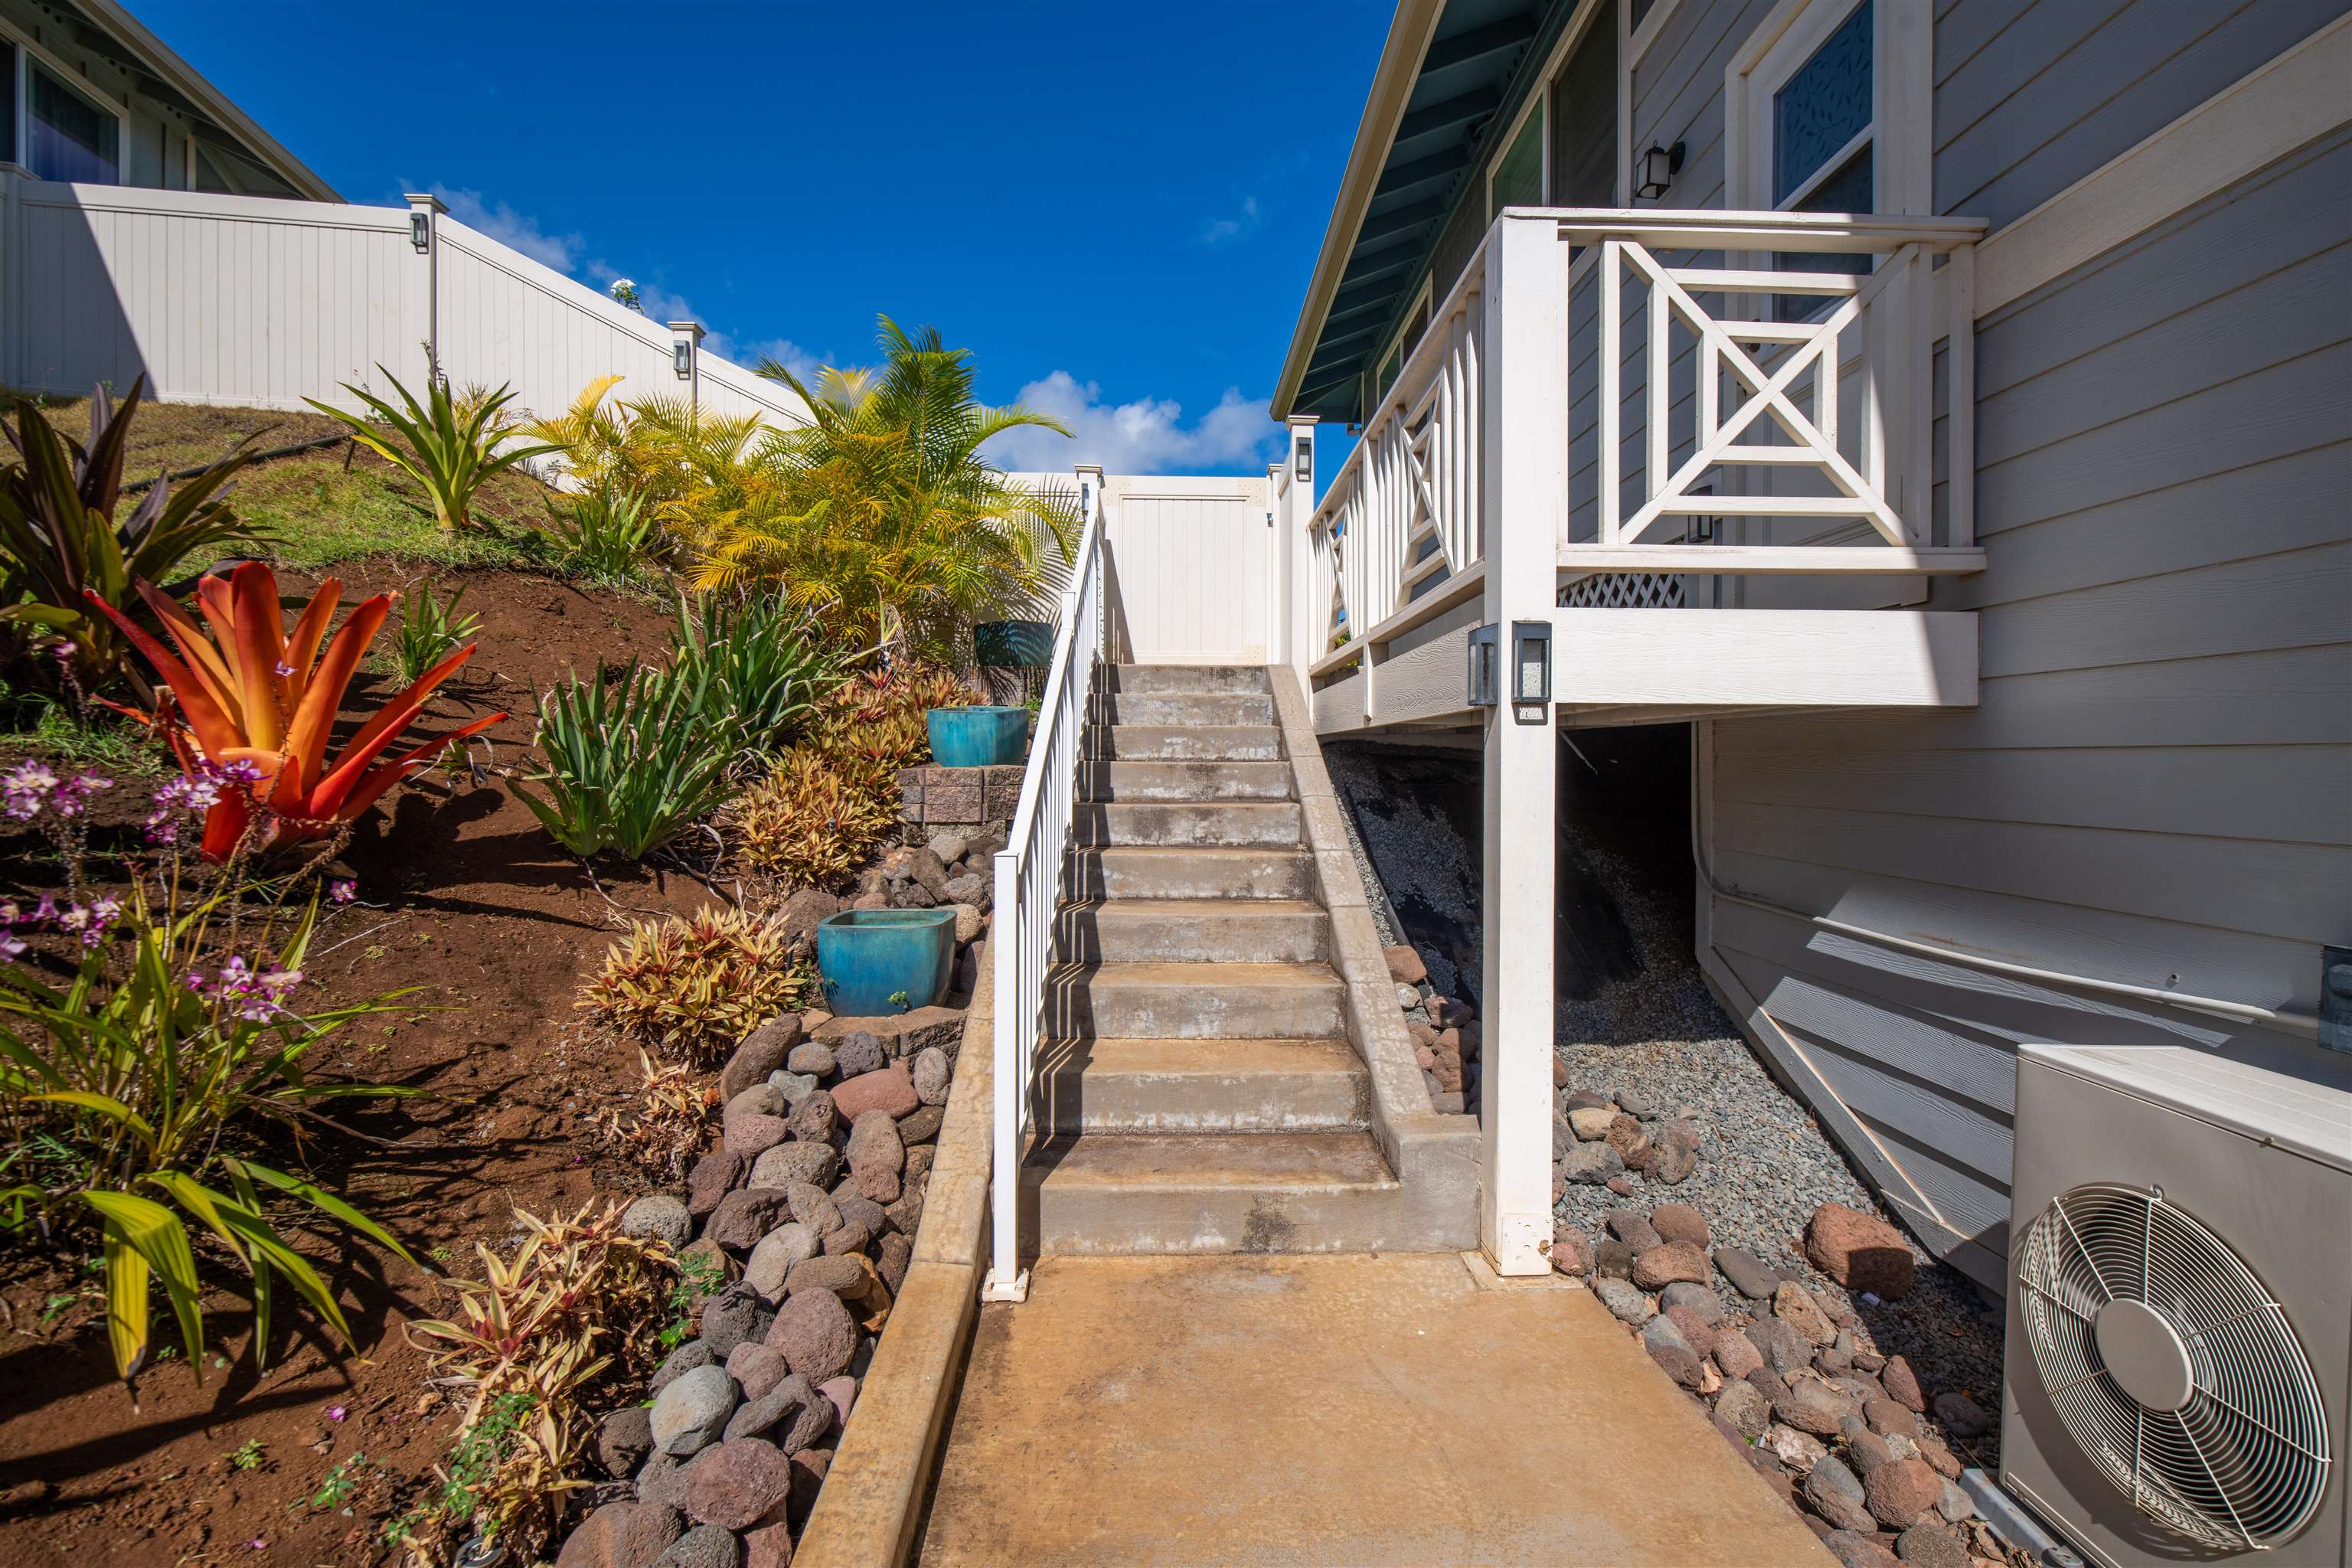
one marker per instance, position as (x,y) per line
(1211,824)
(1185,743)
(1196,1001)
(1194,931)
(1138,872)
(1105,1085)
(1186,677)
(1187,782)
(1124,708)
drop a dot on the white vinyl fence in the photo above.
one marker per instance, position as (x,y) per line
(258,303)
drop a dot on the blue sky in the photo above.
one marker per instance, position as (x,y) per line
(1115,206)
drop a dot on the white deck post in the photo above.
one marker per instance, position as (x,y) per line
(1524,505)
(1294,571)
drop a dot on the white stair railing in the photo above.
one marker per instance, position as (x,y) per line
(1029,884)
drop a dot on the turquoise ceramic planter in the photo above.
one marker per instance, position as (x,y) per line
(878,962)
(977,737)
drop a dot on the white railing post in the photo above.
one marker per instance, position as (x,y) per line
(1525,495)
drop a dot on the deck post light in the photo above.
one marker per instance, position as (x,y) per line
(1531,670)
(1302,458)
(1481,667)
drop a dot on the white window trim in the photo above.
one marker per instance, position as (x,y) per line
(1586,16)
(1636,41)
(27,51)
(1901,109)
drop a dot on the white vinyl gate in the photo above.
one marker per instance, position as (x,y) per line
(1188,567)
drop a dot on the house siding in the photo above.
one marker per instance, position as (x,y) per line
(2156,785)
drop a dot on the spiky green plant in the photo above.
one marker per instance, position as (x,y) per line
(603,532)
(431,630)
(630,763)
(60,539)
(763,659)
(452,445)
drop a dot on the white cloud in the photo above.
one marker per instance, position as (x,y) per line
(1216,231)
(516,231)
(1145,437)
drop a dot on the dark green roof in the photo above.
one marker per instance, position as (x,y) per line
(1478,69)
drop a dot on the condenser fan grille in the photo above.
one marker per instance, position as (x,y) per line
(2173,1367)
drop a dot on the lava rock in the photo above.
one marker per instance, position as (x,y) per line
(1613,1258)
(779,1252)
(1699,1298)
(704,1546)
(1673,1353)
(752,1133)
(1860,1252)
(1833,1492)
(1680,1222)
(1814,1407)
(736,1315)
(1744,1405)
(1855,1551)
(1632,1145)
(622,1535)
(815,1335)
(1590,1164)
(1571,1254)
(1794,1305)
(921,1126)
(678,1362)
(1590,1122)
(858,1053)
(659,1217)
(693,1411)
(1902,1490)
(792,1416)
(756,1369)
(1695,1328)
(813,1058)
(814,1119)
(1902,1385)
(841,1275)
(764,1050)
(801,912)
(1677,1154)
(875,1156)
(893,1254)
(1783,1349)
(1625,1302)
(1737,1355)
(1885,1416)
(1800,1451)
(794,1087)
(738,1482)
(623,1439)
(1865,1448)
(1963,1417)
(1930,1547)
(768,1545)
(743,1216)
(1634,1228)
(1746,1272)
(712,1178)
(662,1479)
(1660,1266)
(931,1074)
(887,1088)
(819,1164)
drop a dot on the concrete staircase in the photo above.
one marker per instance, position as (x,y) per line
(1199,1088)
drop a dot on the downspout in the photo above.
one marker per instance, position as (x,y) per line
(2302,1024)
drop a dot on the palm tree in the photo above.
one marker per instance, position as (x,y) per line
(881,513)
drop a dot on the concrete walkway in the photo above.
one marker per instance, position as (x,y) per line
(1351,1411)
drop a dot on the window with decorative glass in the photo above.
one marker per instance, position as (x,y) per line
(1824,129)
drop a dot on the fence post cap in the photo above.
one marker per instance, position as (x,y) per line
(426,200)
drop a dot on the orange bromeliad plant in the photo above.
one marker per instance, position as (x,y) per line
(254,693)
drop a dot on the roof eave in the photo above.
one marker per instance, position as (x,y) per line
(1393,85)
(170,67)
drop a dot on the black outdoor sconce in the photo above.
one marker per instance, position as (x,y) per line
(1481,667)
(1658,168)
(682,358)
(1531,670)
(1302,459)
(420,229)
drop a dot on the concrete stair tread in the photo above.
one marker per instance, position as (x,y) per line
(1189,679)
(1201,1058)
(1183,743)
(1182,782)
(1229,1163)
(1226,976)
(1235,908)
(1208,824)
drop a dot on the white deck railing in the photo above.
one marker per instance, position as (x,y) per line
(1029,884)
(1737,396)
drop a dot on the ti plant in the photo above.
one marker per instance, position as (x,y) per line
(61,542)
(263,701)
(451,445)
(430,631)
(630,762)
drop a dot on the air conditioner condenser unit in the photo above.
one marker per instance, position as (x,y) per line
(2177,1384)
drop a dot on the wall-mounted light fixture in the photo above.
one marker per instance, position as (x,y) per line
(420,229)
(1531,670)
(1302,458)
(1656,171)
(682,358)
(1481,667)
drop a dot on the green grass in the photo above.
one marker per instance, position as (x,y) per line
(32,722)
(322,515)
